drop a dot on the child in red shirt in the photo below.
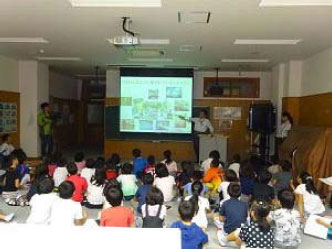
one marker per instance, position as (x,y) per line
(111,172)
(117,215)
(80,183)
(151,167)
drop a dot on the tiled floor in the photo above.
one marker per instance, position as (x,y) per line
(307,242)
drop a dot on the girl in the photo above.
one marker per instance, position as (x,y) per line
(247,181)
(170,164)
(128,182)
(60,173)
(12,179)
(79,161)
(22,168)
(151,167)
(111,172)
(230,176)
(154,210)
(307,197)
(258,234)
(89,170)
(41,173)
(164,182)
(95,198)
(6,148)
(202,205)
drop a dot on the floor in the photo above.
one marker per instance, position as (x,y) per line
(21,215)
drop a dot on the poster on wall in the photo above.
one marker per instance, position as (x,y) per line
(227,113)
(8,117)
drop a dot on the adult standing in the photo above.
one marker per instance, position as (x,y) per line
(286,125)
(202,125)
(45,129)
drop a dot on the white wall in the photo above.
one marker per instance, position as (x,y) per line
(9,74)
(317,73)
(113,82)
(63,86)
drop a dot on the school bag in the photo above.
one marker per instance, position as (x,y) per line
(152,221)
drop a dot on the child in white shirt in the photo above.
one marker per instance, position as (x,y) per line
(41,203)
(128,182)
(89,170)
(60,173)
(170,164)
(95,197)
(165,182)
(229,177)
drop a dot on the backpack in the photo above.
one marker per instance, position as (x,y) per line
(152,221)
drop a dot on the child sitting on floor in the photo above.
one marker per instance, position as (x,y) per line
(128,182)
(60,173)
(41,203)
(65,211)
(143,191)
(170,164)
(139,163)
(22,168)
(307,197)
(192,236)
(232,214)
(79,161)
(111,171)
(95,198)
(154,210)
(81,185)
(11,180)
(165,182)
(229,177)
(282,179)
(89,170)
(117,215)
(287,221)
(202,204)
(262,189)
(212,178)
(196,176)
(151,167)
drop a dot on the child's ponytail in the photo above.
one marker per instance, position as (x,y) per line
(196,188)
(309,182)
(261,210)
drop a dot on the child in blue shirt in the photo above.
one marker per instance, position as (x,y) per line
(143,190)
(139,163)
(22,169)
(192,236)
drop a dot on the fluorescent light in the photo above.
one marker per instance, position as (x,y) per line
(245,60)
(150,59)
(280,3)
(115,3)
(194,17)
(48,58)
(267,41)
(22,40)
(155,41)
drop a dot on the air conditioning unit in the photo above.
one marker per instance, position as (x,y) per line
(124,41)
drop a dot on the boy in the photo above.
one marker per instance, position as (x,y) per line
(65,211)
(139,163)
(235,165)
(232,214)
(143,191)
(212,178)
(80,183)
(192,236)
(282,179)
(41,203)
(287,222)
(196,176)
(117,215)
(262,190)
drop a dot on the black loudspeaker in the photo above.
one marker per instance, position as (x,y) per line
(262,118)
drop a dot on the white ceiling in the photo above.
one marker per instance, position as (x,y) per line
(82,32)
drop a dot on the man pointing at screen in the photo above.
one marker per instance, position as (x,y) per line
(202,125)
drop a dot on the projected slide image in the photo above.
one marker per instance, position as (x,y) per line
(152,104)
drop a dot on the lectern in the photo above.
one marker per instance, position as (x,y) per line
(208,143)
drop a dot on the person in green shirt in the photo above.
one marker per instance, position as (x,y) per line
(45,129)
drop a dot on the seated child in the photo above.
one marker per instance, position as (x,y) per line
(170,164)
(109,184)
(60,173)
(232,214)
(128,182)
(212,178)
(139,163)
(81,185)
(41,203)
(65,211)
(258,233)
(196,176)
(287,222)
(153,211)
(192,236)
(11,179)
(79,161)
(185,176)
(235,165)
(95,198)
(52,163)
(116,161)
(307,197)
(202,205)
(247,180)
(111,171)
(165,182)
(22,168)
(151,167)
(262,190)
(143,191)
(89,170)
(229,177)
(207,163)
(41,173)
(117,215)
(282,179)
(6,148)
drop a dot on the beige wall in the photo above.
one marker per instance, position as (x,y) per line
(8,74)
(62,86)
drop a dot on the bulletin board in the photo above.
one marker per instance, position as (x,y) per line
(10,115)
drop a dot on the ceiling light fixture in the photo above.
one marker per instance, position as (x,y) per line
(48,58)
(116,3)
(150,60)
(245,60)
(267,41)
(23,40)
(284,3)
